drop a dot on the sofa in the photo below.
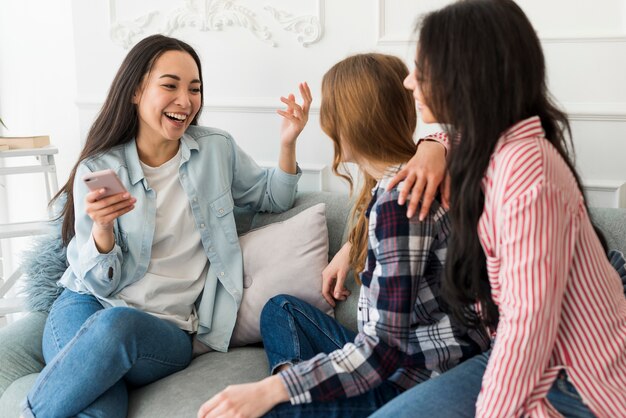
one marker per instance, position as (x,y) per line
(181,394)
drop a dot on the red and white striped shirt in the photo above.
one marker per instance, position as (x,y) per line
(561,303)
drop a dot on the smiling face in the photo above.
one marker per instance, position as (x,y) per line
(411,83)
(168,98)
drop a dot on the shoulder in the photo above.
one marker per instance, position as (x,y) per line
(516,167)
(386,212)
(113,158)
(208,134)
(520,167)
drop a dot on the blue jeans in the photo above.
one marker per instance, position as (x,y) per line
(454,394)
(93,353)
(294,331)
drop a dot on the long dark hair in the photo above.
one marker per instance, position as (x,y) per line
(367,112)
(118,121)
(481,70)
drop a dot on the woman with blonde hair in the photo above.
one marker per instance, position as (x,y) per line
(404,337)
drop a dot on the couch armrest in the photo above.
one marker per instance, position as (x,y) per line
(20,348)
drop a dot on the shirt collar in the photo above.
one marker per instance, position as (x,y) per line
(527,128)
(390,172)
(135,172)
(382,184)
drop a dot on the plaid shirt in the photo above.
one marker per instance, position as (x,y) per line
(404,336)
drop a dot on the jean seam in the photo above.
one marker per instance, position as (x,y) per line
(61,355)
(323,331)
(55,332)
(158,360)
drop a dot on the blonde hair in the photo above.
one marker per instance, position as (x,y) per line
(366,109)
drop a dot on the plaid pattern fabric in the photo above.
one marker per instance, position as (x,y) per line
(404,336)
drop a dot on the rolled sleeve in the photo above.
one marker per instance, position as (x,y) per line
(99,273)
(261,189)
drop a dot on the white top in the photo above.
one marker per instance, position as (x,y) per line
(178,264)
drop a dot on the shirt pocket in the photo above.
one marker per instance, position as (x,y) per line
(222,209)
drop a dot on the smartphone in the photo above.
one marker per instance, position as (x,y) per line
(106,179)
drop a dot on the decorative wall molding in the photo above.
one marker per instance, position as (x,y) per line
(385,39)
(312,179)
(600,112)
(216,15)
(308,29)
(582,39)
(605,193)
(222,105)
(125,33)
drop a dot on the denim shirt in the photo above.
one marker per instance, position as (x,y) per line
(216,175)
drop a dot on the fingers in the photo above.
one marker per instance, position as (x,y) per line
(106,210)
(340,292)
(400,175)
(305,92)
(429,196)
(292,106)
(416,196)
(445,192)
(327,283)
(210,405)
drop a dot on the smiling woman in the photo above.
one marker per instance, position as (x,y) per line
(124,251)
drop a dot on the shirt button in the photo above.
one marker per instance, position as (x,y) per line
(201,225)
(221,211)
(211,249)
(194,200)
(221,273)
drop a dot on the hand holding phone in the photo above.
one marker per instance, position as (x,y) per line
(104,179)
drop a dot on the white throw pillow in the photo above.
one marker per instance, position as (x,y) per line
(282,258)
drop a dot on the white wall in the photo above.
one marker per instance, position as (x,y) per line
(58,57)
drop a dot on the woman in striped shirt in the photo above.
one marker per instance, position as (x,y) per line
(537,267)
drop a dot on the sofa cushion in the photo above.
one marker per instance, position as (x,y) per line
(181,394)
(14,395)
(338,208)
(612,222)
(285,257)
(178,395)
(20,348)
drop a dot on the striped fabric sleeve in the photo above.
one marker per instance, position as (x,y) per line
(533,271)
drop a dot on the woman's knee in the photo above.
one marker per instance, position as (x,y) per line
(118,323)
(279,305)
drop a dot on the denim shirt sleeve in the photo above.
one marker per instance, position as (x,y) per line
(261,189)
(99,273)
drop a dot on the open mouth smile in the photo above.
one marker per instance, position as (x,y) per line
(176,117)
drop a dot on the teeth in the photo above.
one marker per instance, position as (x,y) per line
(177,116)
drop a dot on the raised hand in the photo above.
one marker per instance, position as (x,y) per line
(295,116)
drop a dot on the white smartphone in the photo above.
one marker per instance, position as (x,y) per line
(104,179)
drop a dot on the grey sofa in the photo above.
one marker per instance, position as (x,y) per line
(181,394)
